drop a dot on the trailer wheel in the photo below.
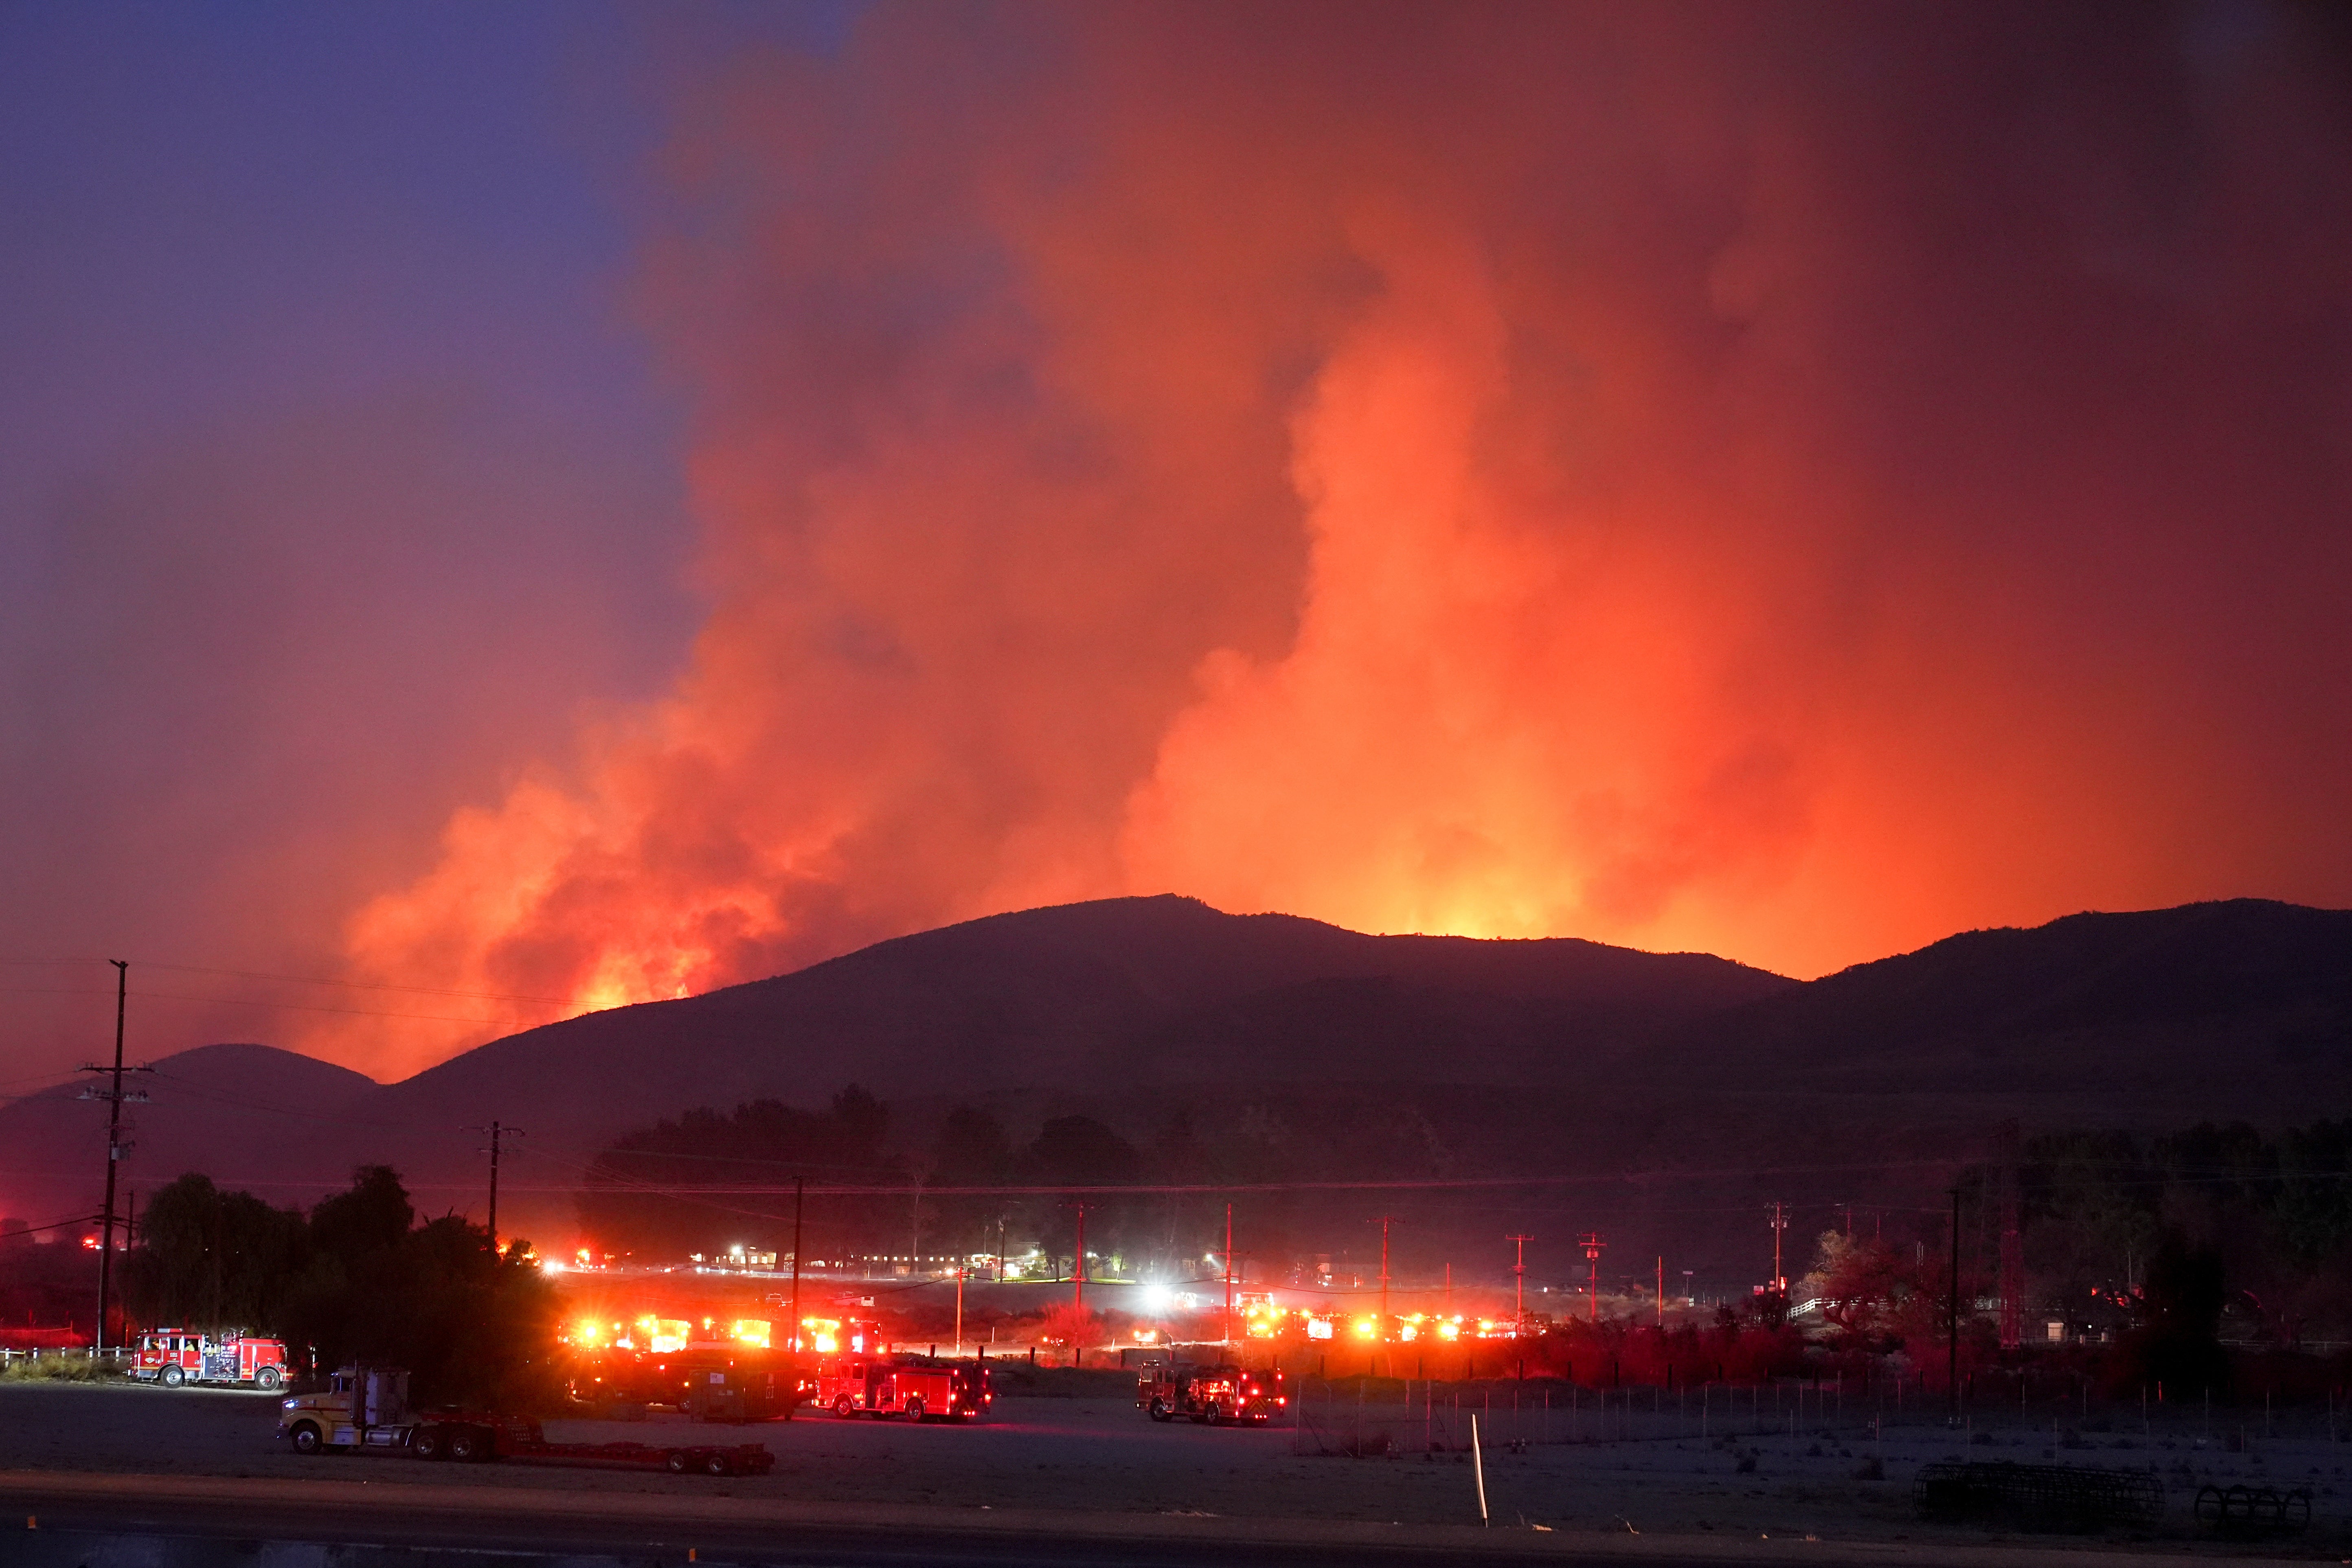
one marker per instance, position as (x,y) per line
(718,1465)
(427,1444)
(466,1445)
(1159,1410)
(267,1378)
(306,1437)
(173,1377)
(677,1461)
(844,1407)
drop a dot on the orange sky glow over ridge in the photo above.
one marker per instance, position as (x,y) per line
(1791,488)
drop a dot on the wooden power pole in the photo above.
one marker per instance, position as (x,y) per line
(116,1148)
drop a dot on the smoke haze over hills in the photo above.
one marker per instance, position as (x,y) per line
(1781,487)
(1782,482)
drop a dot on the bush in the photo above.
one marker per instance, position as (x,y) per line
(62,1366)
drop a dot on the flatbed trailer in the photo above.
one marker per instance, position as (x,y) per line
(365,1411)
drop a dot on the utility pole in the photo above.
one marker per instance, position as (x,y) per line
(2013,1245)
(1661,1289)
(115,1147)
(499,1132)
(1519,1285)
(1385,1275)
(1952,1316)
(799,1188)
(1592,1245)
(1229,1275)
(1078,1273)
(1779,1222)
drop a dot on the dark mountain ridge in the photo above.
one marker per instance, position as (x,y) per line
(1085,997)
(1559,1057)
(2237,1008)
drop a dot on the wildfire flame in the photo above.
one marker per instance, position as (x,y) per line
(1453,481)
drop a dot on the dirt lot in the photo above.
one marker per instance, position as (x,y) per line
(1101,1453)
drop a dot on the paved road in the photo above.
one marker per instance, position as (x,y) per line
(214,1522)
(1054,1482)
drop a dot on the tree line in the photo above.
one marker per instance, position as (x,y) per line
(711,1178)
(639,1195)
(356,1278)
(2167,1253)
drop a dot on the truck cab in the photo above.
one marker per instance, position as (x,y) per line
(361,1407)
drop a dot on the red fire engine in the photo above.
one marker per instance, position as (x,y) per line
(174,1356)
(1210,1395)
(911,1386)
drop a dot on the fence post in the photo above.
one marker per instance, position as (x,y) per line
(1478,1468)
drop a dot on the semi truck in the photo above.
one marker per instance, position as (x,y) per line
(365,1410)
(915,1388)
(1210,1395)
(176,1356)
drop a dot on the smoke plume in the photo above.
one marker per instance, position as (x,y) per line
(1789,481)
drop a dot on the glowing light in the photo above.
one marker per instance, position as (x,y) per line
(752,1331)
(1156,1298)
(1367,1327)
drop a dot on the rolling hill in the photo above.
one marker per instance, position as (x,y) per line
(1674,1084)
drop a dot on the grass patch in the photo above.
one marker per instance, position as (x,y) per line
(56,1368)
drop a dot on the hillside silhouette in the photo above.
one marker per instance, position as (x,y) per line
(232,1109)
(1659,1087)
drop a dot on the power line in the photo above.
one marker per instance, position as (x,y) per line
(248,1002)
(309,980)
(318,1007)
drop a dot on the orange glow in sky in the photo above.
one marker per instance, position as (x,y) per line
(1609,481)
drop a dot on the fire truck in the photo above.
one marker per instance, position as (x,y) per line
(709,1383)
(1210,1395)
(174,1356)
(914,1387)
(365,1410)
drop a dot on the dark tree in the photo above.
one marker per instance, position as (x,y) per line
(374,1214)
(212,1260)
(640,1196)
(471,1326)
(2178,1340)
(1077,1152)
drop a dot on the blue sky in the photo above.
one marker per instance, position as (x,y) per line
(335,470)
